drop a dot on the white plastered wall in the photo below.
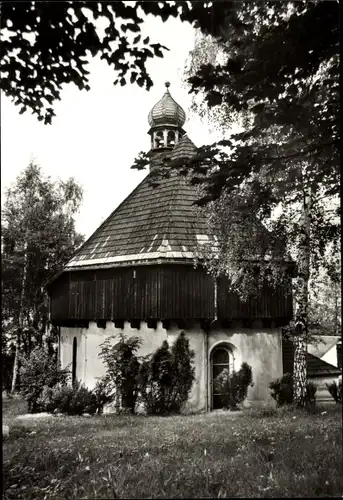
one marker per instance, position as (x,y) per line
(262,349)
(89,366)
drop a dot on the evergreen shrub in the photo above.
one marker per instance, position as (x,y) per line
(166,378)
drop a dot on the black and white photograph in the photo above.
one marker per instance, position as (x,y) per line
(171,249)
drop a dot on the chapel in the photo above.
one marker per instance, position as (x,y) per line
(136,275)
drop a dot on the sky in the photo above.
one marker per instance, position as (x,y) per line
(96,135)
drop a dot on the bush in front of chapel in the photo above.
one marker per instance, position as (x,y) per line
(122,367)
(165,380)
(161,381)
(39,373)
(282,391)
(71,400)
(233,387)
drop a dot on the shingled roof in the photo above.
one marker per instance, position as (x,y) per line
(317,367)
(153,223)
(322,344)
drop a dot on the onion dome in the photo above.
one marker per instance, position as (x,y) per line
(167,112)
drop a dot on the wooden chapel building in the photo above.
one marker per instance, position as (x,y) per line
(136,275)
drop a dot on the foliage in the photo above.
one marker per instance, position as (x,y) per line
(104,392)
(282,391)
(183,371)
(122,368)
(44,401)
(335,390)
(38,373)
(241,247)
(325,309)
(166,379)
(38,232)
(234,386)
(300,101)
(71,400)
(155,380)
(38,238)
(51,42)
(310,394)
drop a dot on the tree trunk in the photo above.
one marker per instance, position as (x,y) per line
(16,363)
(336,313)
(20,321)
(301,313)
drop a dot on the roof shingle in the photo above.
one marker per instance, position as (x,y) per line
(153,222)
(316,367)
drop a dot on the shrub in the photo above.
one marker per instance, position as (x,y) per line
(311,390)
(234,386)
(104,392)
(122,369)
(39,371)
(183,371)
(155,379)
(44,402)
(335,389)
(166,379)
(282,391)
(72,400)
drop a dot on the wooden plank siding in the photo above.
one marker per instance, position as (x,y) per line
(270,304)
(157,292)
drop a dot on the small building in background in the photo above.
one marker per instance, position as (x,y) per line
(319,370)
(135,275)
(327,348)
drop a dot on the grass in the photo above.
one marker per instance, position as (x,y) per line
(257,454)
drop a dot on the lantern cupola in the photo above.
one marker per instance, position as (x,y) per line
(166,120)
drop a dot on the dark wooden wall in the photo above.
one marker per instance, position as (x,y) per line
(287,356)
(156,292)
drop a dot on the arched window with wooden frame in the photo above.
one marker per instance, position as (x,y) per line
(221,359)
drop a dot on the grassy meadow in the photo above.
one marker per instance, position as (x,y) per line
(249,454)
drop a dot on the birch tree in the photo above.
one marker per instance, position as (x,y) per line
(38,238)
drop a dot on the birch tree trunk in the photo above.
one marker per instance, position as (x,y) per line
(20,322)
(302,301)
(336,313)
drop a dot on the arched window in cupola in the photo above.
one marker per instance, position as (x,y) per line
(159,140)
(171,138)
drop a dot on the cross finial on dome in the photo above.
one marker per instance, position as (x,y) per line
(167,84)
